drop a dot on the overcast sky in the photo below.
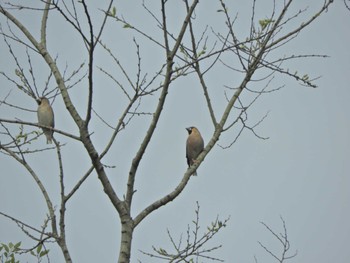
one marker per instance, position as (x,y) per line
(300,173)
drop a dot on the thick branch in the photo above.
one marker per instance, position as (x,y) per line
(166,199)
(44,23)
(84,134)
(157,113)
(107,148)
(218,129)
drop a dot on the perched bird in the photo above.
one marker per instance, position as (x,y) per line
(46,117)
(194,145)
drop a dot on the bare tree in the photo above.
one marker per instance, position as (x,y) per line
(253,59)
(193,246)
(283,240)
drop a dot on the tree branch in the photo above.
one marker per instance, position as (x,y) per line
(91,48)
(199,72)
(167,80)
(41,126)
(44,23)
(41,187)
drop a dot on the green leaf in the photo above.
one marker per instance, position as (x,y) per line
(127,26)
(114,11)
(163,251)
(201,53)
(265,22)
(17,245)
(38,249)
(6,248)
(43,253)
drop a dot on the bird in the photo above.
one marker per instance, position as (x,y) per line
(194,145)
(46,117)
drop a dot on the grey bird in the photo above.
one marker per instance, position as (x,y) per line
(194,145)
(46,117)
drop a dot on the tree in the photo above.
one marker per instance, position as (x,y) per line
(179,51)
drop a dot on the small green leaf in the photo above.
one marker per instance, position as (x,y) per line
(38,249)
(163,251)
(265,22)
(17,245)
(6,248)
(127,26)
(201,53)
(114,11)
(43,253)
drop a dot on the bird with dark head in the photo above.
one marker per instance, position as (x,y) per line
(46,117)
(194,145)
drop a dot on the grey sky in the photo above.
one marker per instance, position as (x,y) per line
(300,173)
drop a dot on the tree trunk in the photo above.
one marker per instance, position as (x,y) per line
(126,239)
(62,244)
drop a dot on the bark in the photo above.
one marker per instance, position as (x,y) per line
(127,229)
(62,244)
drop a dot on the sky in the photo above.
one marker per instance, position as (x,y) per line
(300,173)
